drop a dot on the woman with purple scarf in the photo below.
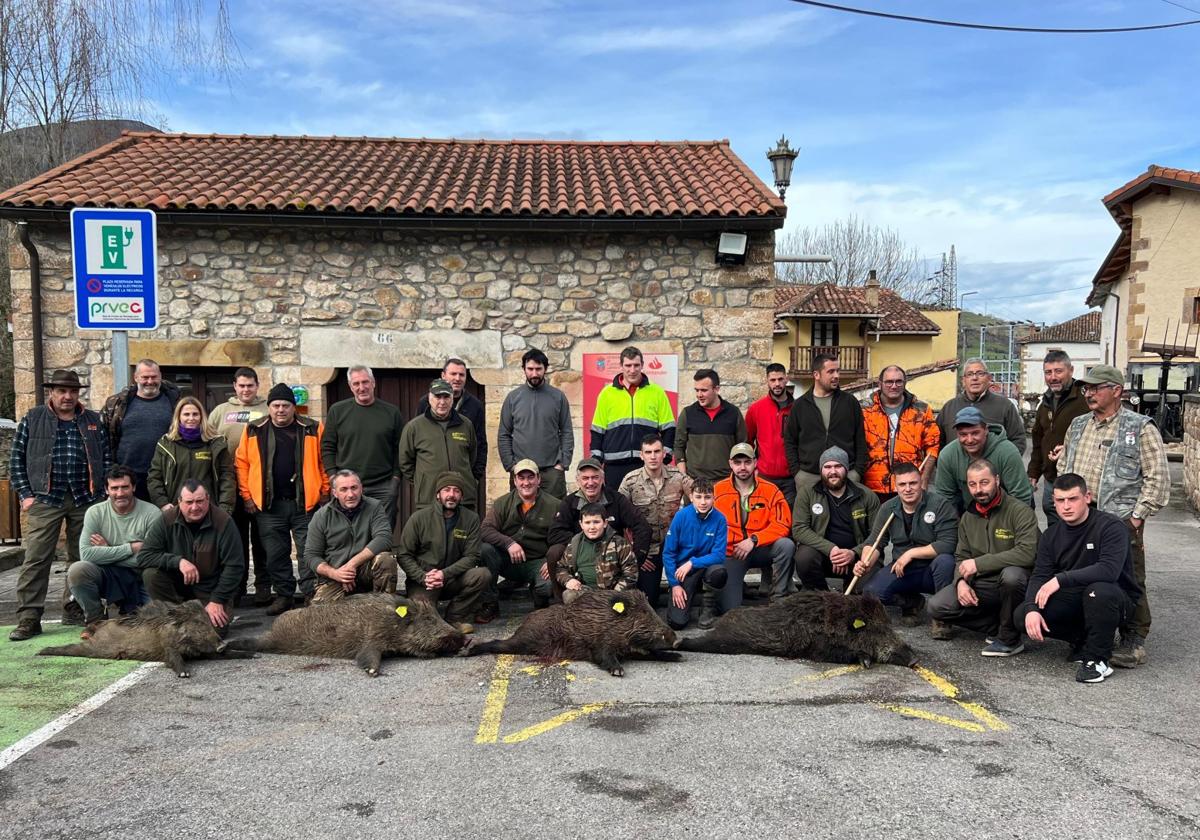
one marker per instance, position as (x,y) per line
(191,449)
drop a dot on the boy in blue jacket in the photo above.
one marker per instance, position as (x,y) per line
(694,556)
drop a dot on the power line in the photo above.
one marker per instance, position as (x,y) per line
(1040,294)
(992,27)
(1181,6)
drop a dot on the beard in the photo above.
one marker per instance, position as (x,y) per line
(535,381)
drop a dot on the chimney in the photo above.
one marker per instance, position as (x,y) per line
(872,289)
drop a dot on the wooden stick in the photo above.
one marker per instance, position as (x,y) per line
(874,548)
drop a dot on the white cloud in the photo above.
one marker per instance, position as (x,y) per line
(742,34)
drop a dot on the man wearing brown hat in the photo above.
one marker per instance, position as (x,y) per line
(437,441)
(59,457)
(439,553)
(1120,455)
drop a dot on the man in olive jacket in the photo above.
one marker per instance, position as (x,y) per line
(516,537)
(438,441)
(349,543)
(997,543)
(439,552)
(194,551)
(831,522)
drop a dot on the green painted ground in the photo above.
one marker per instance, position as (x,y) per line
(34,690)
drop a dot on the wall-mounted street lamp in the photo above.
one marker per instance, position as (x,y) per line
(782,157)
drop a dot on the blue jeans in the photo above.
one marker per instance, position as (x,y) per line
(927,576)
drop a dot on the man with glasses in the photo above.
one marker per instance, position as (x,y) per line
(996,409)
(900,429)
(1120,456)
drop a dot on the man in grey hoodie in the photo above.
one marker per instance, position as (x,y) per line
(535,423)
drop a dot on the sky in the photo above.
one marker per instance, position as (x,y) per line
(1000,144)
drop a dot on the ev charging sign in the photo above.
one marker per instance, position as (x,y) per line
(114,253)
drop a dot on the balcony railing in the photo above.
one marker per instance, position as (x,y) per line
(850,359)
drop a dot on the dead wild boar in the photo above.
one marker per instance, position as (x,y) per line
(603,626)
(365,628)
(158,632)
(823,626)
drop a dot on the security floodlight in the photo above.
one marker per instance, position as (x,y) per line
(731,249)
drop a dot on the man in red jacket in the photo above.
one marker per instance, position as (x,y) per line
(765,420)
(760,528)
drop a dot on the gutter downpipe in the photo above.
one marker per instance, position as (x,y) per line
(1116,330)
(35,307)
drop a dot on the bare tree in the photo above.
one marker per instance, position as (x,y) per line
(70,67)
(857,247)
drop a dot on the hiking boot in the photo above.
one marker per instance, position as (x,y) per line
(26,628)
(263,596)
(1130,653)
(998,648)
(910,610)
(708,610)
(940,631)
(1093,672)
(280,604)
(488,613)
(73,614)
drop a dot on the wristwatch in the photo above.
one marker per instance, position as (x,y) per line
(754,538)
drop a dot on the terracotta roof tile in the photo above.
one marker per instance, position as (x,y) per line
(367,176)
(1082,330)
(895,314)
(1185,177)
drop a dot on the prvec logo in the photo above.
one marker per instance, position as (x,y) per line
(115,310)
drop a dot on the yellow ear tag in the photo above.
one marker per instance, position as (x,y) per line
(619,607)
(859,624)
(402,611)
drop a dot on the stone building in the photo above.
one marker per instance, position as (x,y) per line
(302,256)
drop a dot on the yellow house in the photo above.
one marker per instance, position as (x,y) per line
(1148,286)
(867,328)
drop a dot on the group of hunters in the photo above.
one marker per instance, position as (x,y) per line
(163,501)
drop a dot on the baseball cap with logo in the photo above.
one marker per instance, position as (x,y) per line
(742,450)
(526,465)
(441,388)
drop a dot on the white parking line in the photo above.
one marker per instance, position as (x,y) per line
(64,720)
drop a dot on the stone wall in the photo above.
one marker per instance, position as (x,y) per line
(1191,449)
(297,304)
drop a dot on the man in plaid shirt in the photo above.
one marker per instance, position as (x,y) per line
(59,457)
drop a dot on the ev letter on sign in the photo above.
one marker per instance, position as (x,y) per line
(115,259)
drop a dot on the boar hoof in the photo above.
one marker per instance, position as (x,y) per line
(372,672)
(617,671)
(183,674)
(865,662)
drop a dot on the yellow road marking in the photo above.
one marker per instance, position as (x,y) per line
(493,706)
(940,683)
(829,674)
(534,670)
(980,713)
(908,711)
(950,690)
(554,722)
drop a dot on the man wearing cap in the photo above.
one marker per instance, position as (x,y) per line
(230,419)
(363,434)
(977,393)
(535,425)
(1062,403)
(515,536)
(438,441)
(707,429)
(621,516)
(922,529)
(137,417)
(831,522)
(281,484)
(656,490)
(349,543)
(1120,455)
(439,553)
(978,440)
(455,372)
(759,525)
(59,458)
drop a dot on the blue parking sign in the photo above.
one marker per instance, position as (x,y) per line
(115,257)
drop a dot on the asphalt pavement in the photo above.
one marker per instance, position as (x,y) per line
(964,746)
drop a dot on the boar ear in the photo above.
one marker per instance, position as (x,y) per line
(857,624)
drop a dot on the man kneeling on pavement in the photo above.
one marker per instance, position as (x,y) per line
(439,552)
(1083,585)
(831,522)
(922,529)
(997,540)
(194,551)
(349,543)
(596,558)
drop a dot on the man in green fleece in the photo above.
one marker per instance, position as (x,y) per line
(997,542)
(349,542)
(438,441)
(194,551)
(439,552)
(515,538)
(977,440)
(363,434)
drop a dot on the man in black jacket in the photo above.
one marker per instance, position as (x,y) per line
(1082,587)
(823,417)
(620,514)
